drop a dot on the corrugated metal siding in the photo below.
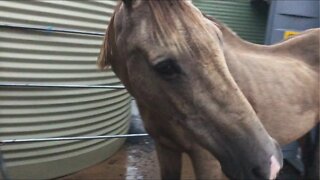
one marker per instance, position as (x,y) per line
(28,56)
(248,22)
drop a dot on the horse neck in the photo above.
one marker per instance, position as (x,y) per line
(273,73)
(286,63)
(239,54)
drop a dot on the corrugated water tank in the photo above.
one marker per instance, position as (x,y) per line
(47,57)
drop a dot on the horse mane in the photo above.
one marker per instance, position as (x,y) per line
(170,21)
(222,27)
(166,31)
(106,50)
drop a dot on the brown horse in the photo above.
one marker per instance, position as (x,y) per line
(203,91)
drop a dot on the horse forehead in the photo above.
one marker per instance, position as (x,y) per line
(138,3)
(143,24)
(175,31)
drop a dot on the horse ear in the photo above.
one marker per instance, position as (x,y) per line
(106,51)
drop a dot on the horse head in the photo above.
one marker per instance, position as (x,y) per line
(170,57)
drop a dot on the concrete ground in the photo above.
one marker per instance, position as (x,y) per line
(136,160)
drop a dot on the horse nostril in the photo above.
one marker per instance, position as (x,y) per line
(263,172)
(258,172)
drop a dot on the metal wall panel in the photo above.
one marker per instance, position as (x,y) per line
(247,21)
(288,15)
(28,56)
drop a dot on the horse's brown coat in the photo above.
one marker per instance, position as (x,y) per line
(281,82)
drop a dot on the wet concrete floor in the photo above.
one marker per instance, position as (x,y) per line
(136,160)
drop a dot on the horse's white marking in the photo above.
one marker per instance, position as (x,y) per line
(143,26)
(137,3)
(275,168)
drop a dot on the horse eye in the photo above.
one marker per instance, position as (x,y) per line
(167,68)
